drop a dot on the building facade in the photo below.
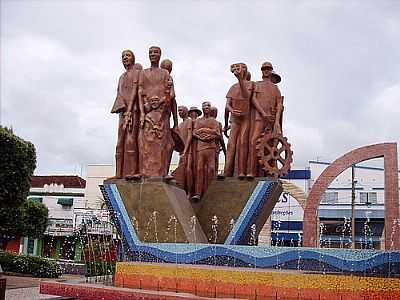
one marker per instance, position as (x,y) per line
(335,211)
(60,194)
(74,219)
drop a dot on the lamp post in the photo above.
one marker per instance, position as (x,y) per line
(353,200)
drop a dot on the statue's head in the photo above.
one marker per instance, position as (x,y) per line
(213,112)
(266,70)
(154,54)
(239,69)
(154,102)
(166,64)
(194,112)
(138,67)
(183,111)
(206,107)
(128,58)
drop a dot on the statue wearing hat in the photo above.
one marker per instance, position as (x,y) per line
(184,174)
(267,107)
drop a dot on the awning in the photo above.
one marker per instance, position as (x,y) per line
(65,201)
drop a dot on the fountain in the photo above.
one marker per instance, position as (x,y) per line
(215,222)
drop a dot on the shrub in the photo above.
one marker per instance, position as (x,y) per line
(36,266)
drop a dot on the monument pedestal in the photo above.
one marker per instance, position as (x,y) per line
(231,212)
(234,205)
(159,212)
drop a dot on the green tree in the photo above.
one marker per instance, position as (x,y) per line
(17,163)
(18,216)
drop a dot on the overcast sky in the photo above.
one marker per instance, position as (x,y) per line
(60,62)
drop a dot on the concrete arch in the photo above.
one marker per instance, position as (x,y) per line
(294,191)
(386,150)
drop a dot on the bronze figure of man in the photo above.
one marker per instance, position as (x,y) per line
(206,131)
(238,101)
(166,64)
(220,140)
(156,92)
(267,112)
(126,105)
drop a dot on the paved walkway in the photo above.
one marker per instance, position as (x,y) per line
(31,293)
(19,288)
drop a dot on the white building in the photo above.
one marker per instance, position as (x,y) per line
(96,174)
(60,194)
(335,211)
(72,215)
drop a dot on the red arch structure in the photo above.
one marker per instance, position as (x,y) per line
(386,150)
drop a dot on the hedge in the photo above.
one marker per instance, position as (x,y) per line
(36,266)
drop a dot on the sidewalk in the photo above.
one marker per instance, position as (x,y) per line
(19,287)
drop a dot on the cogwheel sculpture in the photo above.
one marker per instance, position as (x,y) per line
(274,154)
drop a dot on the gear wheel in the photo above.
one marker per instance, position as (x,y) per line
(274,154)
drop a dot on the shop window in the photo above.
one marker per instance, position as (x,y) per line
(330,198)
(368,198)
(30,246)
(65,201)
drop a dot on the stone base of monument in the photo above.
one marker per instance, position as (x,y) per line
(135,280)
(158,211)
(233,211)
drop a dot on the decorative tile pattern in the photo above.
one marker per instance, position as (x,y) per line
(252,283)
(246,218)
(348,261)
(150,281)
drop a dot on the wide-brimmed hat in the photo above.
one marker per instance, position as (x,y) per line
(275,77)
(195,109)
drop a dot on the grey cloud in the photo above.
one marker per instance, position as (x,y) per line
(340,65)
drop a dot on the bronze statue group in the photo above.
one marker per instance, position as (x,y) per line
(146,101)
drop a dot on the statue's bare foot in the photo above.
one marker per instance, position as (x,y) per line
(196,198)
(129,177)
(241,176)
(137,177)
(250,176)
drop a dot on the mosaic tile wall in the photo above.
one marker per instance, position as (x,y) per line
(248,283)
(342,261)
